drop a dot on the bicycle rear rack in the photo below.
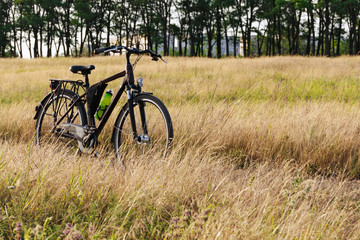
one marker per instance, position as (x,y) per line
(75,86)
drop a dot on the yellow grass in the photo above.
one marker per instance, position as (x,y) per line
(264,149)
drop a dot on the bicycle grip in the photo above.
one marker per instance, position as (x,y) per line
(101,50)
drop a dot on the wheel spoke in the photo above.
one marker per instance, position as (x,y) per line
(128,132)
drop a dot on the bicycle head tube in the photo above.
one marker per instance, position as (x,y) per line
(129,72)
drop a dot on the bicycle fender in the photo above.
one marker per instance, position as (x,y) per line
(39,107)
(146,93)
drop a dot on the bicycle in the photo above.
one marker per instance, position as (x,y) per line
(143,123)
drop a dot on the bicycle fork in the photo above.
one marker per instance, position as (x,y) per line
(139,138)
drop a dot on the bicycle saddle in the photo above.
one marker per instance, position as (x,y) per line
(83,69)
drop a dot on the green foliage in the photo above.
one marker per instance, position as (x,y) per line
(294,27)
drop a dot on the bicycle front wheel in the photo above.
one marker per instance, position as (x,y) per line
(153,126)
(56,108)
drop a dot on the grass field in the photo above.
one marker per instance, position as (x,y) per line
(265,148)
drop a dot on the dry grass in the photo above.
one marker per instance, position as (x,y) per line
(265,148)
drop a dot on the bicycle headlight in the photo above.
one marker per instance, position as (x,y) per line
(140,82)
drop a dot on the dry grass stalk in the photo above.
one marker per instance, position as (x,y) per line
(252,136)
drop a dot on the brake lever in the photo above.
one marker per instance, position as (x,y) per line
(163,59)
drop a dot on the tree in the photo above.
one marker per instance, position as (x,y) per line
(282,26)
(5,26)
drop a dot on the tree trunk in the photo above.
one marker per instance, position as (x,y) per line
(185,49)
(249,30)
(89,40)
(202,44)
(63,44)
(308,43)
(83,39)
(227,44)
(297,34)
(273,28)
(191,33)
(339,37)
(29,40)
(67,33)
(41,41)
(320,37)
(20,44)
(289,40)
(313,32)
(173,45)
(351,41)
(36,53)
(218,33)
(327,25)
(58,48)
(243,36)
(332,37)
(180,41)
(164,32)
(358,41)
(108,29)
(235,41)
(168,39)
(354,34)
(279,32)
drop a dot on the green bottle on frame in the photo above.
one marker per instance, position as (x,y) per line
(104,103)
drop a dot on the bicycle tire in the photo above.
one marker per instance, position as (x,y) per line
(159,126)
(56,107)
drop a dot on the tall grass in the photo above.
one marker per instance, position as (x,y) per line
(264,148)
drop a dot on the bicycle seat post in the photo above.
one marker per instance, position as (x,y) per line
(85,71)
(86,81)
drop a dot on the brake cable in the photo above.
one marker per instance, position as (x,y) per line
(136,61)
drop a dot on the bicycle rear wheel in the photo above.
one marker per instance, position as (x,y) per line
(55,108)
(157,130)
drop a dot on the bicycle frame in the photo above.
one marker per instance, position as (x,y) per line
(127,83)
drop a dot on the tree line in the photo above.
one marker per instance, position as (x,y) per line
(265,27)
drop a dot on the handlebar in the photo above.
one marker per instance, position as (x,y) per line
(155,57)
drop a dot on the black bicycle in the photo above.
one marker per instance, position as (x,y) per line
(143,124)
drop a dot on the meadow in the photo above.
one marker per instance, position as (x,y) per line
(265,148)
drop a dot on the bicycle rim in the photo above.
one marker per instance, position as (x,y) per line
(56,108)
(158,129)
